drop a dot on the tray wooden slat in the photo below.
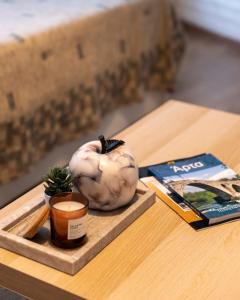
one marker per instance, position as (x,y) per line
(102,228)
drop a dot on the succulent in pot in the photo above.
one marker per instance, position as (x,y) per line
(105,171)
(58,180)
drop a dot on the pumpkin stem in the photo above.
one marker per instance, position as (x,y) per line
(103,143)
(109,145)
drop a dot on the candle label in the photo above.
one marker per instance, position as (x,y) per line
(77,228)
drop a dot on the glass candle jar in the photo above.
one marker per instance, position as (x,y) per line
(68,217)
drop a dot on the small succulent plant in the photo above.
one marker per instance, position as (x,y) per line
(58,180)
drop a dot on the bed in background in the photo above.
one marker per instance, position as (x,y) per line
(64,65)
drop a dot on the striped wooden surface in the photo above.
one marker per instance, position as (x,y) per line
(159,256)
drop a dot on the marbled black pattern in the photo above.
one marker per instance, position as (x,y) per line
(107,180)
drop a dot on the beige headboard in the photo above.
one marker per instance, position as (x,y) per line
(57,80)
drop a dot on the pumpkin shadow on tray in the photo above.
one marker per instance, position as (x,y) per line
(43,235)
(114,212)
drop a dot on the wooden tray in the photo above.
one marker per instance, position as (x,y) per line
(102,228)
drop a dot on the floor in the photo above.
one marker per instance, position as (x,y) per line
(209,76)
(210,72)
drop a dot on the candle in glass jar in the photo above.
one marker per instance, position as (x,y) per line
(68,205)
(68,216)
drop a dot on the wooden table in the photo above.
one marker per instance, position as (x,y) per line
(159,256)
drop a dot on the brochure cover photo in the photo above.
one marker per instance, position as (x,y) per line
(174,202)
(204,183)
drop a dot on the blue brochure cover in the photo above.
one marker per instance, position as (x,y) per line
(204,183)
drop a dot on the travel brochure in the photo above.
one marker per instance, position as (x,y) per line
(201,189)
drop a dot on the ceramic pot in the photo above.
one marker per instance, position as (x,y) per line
(46,198)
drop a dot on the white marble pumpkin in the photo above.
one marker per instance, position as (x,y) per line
(108,180)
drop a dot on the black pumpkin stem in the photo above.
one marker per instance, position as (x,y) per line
(109,145)
(103,143)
